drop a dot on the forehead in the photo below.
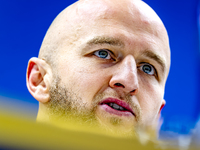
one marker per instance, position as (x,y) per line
(127,11)
(134,15)
(125,20)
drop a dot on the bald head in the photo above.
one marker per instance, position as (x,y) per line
(77,20)
(103,59)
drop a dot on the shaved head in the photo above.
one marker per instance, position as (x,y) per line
(77,19)
(106,61)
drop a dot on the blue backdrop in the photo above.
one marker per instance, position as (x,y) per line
(23,25)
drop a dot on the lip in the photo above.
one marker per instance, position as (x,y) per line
(127,112)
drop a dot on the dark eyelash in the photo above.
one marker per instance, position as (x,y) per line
(108,51)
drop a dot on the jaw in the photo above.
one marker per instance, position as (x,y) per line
(115,122)
(104,123)
(126,125)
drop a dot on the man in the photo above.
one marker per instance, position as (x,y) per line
(102,63)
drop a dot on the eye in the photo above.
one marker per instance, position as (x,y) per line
(103,53)
(148,69)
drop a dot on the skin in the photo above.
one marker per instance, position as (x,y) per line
(70,75)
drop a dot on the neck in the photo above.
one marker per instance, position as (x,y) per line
(42,115)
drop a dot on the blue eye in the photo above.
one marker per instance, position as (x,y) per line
(103,54)
(148,69)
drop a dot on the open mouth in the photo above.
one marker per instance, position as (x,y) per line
(117,107)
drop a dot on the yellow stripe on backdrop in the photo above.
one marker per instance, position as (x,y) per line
(16,132)
(22,133)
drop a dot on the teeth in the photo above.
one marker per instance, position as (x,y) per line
(121,108)
(115,106)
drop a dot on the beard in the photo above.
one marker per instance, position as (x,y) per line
(65,106)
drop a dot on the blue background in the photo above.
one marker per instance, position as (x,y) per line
(23,24)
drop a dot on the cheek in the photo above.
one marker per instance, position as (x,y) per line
(150,97)
(83,78)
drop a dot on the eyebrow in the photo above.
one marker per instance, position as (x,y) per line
(156,58)
(106,40)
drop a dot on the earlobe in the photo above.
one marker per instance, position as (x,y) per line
(159,112)
(37,79)
(162,105)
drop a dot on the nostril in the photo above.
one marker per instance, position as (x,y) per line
(134,91)
(119,85)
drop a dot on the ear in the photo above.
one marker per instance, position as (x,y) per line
(38,78)
(162,105)
(160,121)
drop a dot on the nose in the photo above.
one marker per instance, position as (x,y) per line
(125,76)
